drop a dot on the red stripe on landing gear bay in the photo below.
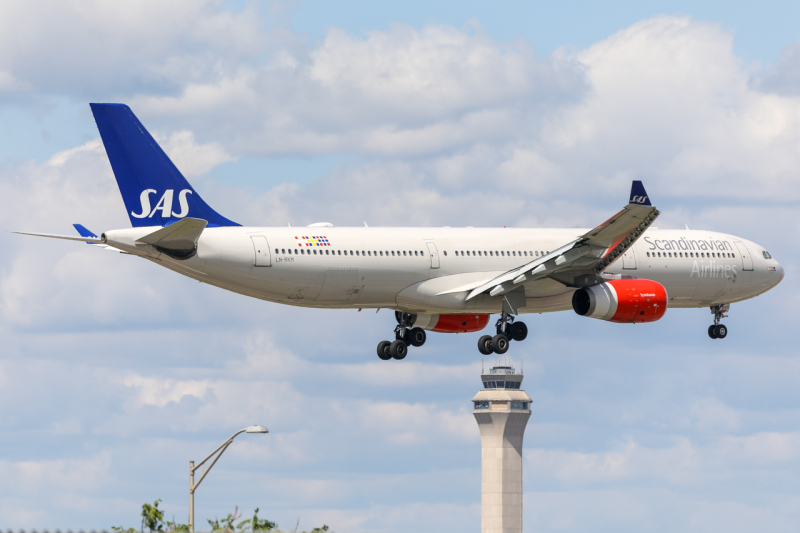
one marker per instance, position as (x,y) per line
(461,323)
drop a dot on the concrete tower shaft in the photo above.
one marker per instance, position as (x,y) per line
(502,411)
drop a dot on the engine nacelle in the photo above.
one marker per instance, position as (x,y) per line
(622,300)
(463,323)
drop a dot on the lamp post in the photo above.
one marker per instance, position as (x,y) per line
(218,452)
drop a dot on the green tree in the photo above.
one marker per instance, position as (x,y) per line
(227,524)
(256,524)
(152,517)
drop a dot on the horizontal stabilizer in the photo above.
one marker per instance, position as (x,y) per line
(89,240)
(180,236)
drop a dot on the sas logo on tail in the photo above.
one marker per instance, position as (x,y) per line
(164,204)
(638,199)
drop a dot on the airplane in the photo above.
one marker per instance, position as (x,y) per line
(447,280)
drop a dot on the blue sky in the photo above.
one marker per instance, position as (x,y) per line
(113,373)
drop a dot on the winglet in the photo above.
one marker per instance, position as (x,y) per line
(83,232)
(638,194)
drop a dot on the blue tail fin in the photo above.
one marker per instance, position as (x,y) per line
(83,232)
(153,189)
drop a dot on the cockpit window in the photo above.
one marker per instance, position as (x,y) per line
(766,254)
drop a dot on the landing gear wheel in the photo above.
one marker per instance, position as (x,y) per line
(711,331)
(485,345)
(519,331)
(383,350)
(417,337)
(398,349)
(500,344)
(720,331)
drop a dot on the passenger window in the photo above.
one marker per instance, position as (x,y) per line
(326,252)
(445,253)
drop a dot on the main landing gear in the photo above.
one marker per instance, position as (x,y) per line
(717,330)
(507,330)
(404,335)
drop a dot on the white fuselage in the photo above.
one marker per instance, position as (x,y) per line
(431,270)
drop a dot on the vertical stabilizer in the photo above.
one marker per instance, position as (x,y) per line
(153,189)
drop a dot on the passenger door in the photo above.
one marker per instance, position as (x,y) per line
(629,260)
(261,248)
(744,253)
(434,253)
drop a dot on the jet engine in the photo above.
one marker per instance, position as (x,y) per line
(463,323)
(622,300)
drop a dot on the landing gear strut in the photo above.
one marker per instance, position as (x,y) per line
(717,330)
(404,334)
(507,330)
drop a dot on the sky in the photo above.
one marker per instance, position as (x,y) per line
(115,373)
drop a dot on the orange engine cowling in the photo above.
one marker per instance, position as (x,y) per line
(462,323)
(622,300)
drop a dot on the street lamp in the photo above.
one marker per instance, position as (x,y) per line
(218,452)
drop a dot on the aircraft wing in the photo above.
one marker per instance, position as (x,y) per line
(586,256)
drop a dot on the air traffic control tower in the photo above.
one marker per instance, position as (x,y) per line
(502,410)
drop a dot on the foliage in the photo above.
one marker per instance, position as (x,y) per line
(226,524)
(152,517)
(175,527)
(256,524)
(153,520)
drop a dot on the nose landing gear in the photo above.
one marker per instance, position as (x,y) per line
(717,330)
(404,335)
(507,330)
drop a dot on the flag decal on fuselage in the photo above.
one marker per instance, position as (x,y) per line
(315,240)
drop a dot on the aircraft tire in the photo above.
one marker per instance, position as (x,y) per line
(383,350)
(485,345)
(398,349)
(519,331)
(712,331)
(417,337)
(721,331)
(500,344)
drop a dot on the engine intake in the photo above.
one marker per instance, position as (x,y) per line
(461,323)
(622,300)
